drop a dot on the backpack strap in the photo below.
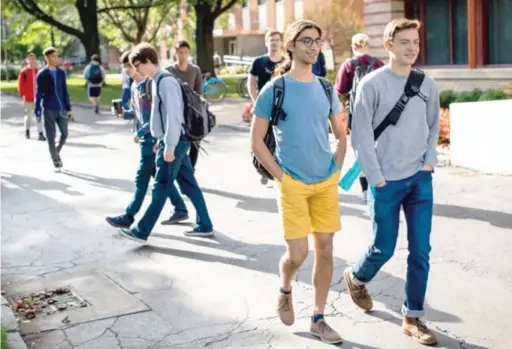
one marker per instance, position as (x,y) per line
(371,61)
(162,76)
(277,101)
(327,86)
(412,88)
(355,62)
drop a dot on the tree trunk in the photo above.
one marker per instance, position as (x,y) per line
(204,37)
(87,10)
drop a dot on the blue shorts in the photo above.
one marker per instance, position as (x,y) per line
(94,92)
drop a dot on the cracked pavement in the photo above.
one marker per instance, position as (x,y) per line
(221,292)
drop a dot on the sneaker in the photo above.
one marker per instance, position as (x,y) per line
(419,332)
(123,221)
(365,196)
(264,180)
(285,309)
(58,165)
(42,137)
(358,293)
(97,109)
(199,231)
(130,234)
(27,134)
(177,217)
(325,332)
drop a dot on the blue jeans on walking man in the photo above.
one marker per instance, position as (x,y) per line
(415,195)
(145,171)
(166,173)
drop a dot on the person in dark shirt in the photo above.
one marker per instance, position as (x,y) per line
(262,67)
(319,68)
(345,79)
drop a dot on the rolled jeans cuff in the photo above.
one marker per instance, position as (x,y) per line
(412,313)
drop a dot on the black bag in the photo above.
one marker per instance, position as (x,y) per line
(359,72)
(412,89)
(277,114)
(198,119)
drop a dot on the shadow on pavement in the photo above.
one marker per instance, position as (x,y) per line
(110,183)
(345,345)
(33,183)
(496,218)
(443,340)
(265,258)
(88,145)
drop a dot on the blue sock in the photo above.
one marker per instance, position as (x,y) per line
(317,317)
(283,291)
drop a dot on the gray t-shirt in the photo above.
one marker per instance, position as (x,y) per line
(401,150)
(192,76)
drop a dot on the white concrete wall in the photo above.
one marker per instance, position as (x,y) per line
(480,136)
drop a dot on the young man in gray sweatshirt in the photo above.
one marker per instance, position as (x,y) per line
(399,168)
(172,160)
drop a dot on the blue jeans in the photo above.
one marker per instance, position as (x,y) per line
(125,98)
(144,173)
(415,195)
(166,173)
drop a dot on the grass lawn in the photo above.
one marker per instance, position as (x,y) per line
(78,92)
(4,339)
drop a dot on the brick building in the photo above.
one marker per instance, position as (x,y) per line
(248,22)
(464,43)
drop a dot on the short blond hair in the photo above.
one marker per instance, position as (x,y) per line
(360,40)
(397,25)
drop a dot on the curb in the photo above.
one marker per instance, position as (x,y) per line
(14,338)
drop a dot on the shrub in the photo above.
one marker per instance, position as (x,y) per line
(9,73)
(493,95)
(446,98)
(234,69)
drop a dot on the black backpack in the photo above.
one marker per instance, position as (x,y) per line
(359,72)
(277,114)
(95,74)
(198,119)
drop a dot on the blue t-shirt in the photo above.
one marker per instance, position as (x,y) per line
(302,140)
(54,73)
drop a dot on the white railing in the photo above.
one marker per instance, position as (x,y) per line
(237,60)
(262,16)
(246,19)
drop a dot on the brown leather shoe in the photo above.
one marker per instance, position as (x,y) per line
(419,332)
(325,332)
(359,294)
(285,309)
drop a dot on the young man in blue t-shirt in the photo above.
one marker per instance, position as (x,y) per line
(306,169)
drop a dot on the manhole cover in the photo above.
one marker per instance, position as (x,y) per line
(46,302)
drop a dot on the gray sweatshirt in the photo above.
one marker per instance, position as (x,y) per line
(172,110)
(401,150)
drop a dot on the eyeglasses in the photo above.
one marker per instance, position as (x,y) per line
(309,41)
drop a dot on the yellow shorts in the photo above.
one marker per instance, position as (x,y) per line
(307,208)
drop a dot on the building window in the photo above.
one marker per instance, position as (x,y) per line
(298,10)
(244,3)
(499,31)
(261,2)
(444,38)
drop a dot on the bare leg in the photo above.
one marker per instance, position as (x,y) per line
(322,269)
(292,260)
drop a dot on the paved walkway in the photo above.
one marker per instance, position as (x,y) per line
(221,292)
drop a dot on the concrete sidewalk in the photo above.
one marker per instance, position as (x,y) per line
(178,292)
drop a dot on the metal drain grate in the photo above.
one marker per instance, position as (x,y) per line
(46,302)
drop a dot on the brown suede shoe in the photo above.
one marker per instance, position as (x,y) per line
(419,332)
(285,309)
(325,332)
(359,294)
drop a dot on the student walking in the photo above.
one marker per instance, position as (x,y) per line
(399,169)
(95,76)
(349,75)
(262,68)
(27,91)
(142,96)
(52,96)
(191,74)
(172,160)
(300,106)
